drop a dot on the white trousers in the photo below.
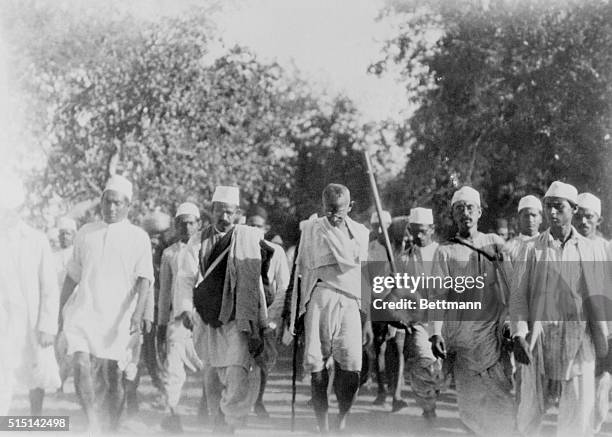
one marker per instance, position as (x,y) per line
(576,404)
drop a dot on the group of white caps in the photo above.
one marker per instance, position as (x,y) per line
(224,194)
(424,216)
(12,196)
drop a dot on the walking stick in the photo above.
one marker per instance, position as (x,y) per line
(295,364)
(396,321)
(379,211)
(296,335)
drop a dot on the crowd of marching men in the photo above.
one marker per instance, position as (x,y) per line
(218,299)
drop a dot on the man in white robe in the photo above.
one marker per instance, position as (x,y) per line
(329,259)
(555,338)
(29,302)
(112,266)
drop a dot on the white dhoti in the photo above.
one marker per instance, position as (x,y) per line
(231,377)
(332,329)
(484,400)
(232,391)
(576,404)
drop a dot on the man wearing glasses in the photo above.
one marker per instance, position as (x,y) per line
(329,260)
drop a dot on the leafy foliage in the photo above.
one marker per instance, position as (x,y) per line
(512,96)
(151,101)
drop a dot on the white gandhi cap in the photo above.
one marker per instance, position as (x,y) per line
(226,194)
(589,201)
(530,202)
(421,216)
(12,193)
(119,184)
(562,190)
(187,208)
(386,218)
(466,194)
(66,223)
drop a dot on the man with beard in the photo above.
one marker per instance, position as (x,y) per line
(105,316)
(587,221)
(174,340)
(555,337)
(329,258)
(224,263)
(470,341)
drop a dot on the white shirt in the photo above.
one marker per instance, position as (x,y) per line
(107,261)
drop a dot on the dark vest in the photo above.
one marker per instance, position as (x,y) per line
(208,295)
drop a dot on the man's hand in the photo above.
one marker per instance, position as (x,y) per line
(45,339)
(605,364)
(438,348)
(367,336)
(140,325)
(187,318)
(521,351)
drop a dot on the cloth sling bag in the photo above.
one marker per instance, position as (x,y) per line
(208,294)
(495,259)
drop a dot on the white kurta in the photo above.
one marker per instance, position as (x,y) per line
(107,261)
(29,302)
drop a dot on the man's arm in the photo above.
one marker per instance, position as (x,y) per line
(186,279)
(48,308)
(280,283)
(144,292)
(143,272)
(165,290)
(73,276)
(440,269)
(67,290)
(519,305)
(519,308)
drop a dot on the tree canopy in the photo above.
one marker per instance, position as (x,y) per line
(511,96)
(177,119)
